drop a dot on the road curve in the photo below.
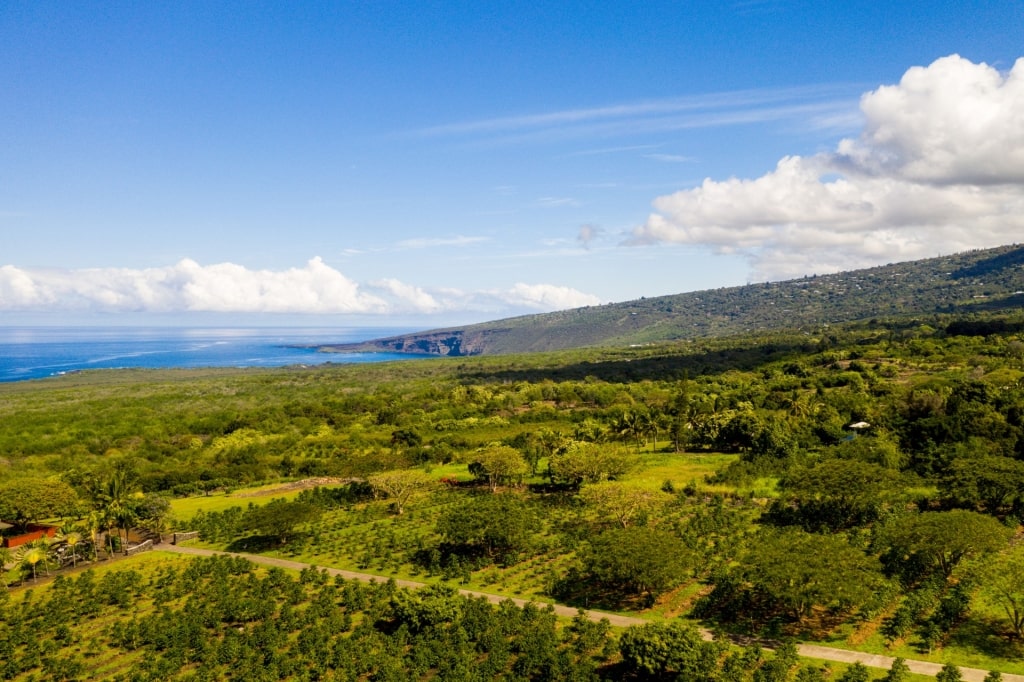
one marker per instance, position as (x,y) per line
(808,650)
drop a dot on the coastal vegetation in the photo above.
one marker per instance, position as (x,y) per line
(860,485)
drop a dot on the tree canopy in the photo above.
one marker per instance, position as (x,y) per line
(942,539)
(26,500)
(636,559)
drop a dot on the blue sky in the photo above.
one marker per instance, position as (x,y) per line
(436,163)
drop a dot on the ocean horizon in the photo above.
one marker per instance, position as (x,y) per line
(37,352)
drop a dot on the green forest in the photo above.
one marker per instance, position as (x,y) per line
(857,485)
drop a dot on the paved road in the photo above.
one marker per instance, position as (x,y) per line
(808,650)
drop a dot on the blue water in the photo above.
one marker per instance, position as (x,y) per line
(38,352)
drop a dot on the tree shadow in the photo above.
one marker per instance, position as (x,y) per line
(576,589)
(255,544)
(986,635)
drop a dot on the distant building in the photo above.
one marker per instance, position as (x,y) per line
(8,538)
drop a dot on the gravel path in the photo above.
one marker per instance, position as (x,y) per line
(808,650)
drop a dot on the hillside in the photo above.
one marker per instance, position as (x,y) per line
(976,280)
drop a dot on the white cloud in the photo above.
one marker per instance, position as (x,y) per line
(587,234)
(669,158)
(426,243)
(315,288)
(557,202)
(415,297)
(546,297)
(938,167)
(187,287)
(821,104)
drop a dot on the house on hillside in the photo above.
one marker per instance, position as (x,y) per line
(10,537)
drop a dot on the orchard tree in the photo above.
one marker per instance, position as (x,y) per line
(621,502)
(497,525)
(279,518)
(638,560)
(899,671)
(499,464)
(400,486)
(676,648)
(579,462)
(800,570)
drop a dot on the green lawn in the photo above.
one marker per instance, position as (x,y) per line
(185,508)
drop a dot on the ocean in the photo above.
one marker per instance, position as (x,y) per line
(39,352)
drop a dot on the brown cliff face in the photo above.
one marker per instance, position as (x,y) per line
(445,343)
(427,344)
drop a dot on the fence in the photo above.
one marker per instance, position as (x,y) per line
(142,547)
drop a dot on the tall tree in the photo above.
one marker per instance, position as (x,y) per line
(279,518)
(676,648)
(497,525)
(800,571)
(990,483)
(837,494)
(117,497)
(1003,587)
(639,560)
(580,462)
(620,501)
(6,557)
(400,486)
(31,555)
(500,464)
(26,500)
(944,539)
(71,539)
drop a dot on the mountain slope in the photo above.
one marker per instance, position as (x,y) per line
(974,280)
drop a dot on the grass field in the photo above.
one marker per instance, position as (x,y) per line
(974,643)
(185,508)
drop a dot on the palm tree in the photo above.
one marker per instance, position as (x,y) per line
(115,499)
(157,527)
(631,425)
(30,555)
(72,539)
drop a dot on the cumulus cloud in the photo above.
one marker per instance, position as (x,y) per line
(547,297)
(414,296)
(315,288)
(187,287)
(938,167)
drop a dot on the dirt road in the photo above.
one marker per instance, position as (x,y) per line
(808,650)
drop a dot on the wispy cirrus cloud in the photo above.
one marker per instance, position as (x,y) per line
(557,202)
(434,242)
(669,158)
(819,105)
